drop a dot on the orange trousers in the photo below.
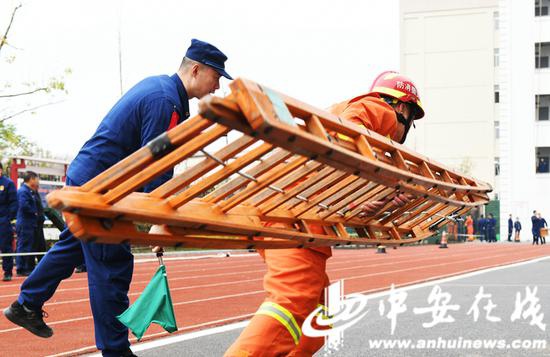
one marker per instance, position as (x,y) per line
(295,280)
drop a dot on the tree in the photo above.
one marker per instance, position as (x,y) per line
(20,98)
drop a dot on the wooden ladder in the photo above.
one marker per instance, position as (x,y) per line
(264,170)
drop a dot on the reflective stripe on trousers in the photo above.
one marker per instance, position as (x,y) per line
(283,316)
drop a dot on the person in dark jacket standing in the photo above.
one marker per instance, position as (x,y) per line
(27,221)
(147,110)
(482,228)
(490,228)
(535,228)
(542,224)
(8,212)
(510,228)
(517,228)
(39,244)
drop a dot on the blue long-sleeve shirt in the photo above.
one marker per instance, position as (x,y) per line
(28,211)
(8,200)
(142,114)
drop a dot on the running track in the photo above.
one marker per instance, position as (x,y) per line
(215,291)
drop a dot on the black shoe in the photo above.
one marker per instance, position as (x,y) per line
(80,269)
(7,277)
(23,273)
(128,353)
(28,319)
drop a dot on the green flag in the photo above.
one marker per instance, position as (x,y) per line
(154,305)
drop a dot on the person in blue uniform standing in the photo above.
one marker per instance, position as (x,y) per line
(517,228)
(535,229)
(146,111)
(542,224)
(8,212)
(482,228)
(491,228)
(27,221)
(510,228)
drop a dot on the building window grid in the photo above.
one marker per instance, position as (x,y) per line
(541,7)
(542,54)
(542,107)
(542,160)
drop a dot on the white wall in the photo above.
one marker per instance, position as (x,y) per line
(447,49)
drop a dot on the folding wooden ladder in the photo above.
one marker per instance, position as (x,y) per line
(275,173)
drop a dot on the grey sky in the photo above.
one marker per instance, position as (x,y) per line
(318,51)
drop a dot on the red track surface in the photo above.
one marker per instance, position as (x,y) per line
(209,292)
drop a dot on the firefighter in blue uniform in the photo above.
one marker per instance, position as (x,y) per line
(147,110)
(510,228)
(482,228)
(8,212)
(27,221)
(535,229)
(490,227)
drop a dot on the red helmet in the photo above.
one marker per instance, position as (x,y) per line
(400,87)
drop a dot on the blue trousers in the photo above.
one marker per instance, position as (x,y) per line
(6,241)
(110,268)
(24,244)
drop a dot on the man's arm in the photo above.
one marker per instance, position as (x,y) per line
(379,118)
(12,201)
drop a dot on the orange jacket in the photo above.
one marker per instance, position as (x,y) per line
(371,112)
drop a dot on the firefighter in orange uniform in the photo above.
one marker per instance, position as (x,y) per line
(296,277)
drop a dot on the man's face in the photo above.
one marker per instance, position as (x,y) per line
(34,183)
(400,133)
(206,81)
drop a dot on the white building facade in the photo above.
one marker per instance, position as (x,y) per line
(482,69)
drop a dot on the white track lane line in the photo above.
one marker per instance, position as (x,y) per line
(151,344)
(173,271)
(261,291)
(221,329)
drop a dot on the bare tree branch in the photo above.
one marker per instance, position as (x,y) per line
(4,39)
(45,89)
(28,110)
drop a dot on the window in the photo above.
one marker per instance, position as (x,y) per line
(542,160)
(495,19)
(542,105)
(542,54)
(497,93)
(496,59)
(497,166)
(541,7)
(497,129)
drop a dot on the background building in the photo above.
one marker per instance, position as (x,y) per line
(483,72)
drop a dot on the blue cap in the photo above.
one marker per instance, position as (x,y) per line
(205,53)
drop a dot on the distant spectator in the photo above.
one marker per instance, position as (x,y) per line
(517,227)
(535,228)
(481,228)
(39,243)
(470,227)
(542,224)
(8,212)
(510,228)
(491,228)
(27,218)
